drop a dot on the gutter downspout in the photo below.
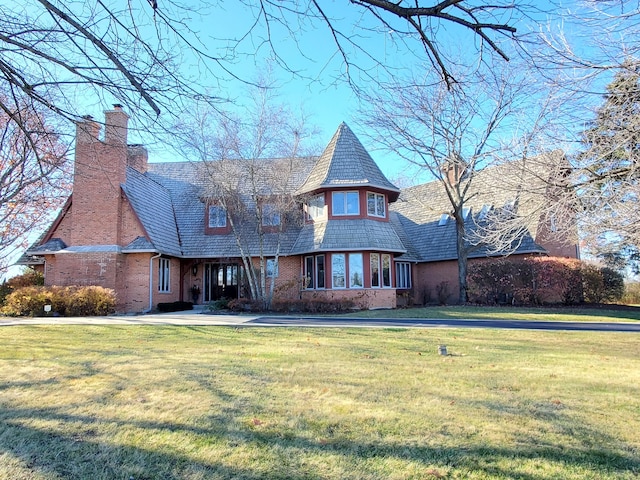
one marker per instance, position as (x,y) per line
(151,283)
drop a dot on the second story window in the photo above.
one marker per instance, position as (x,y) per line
(315,208)
(270,215)
(345,203)
(217,216)
(376,205)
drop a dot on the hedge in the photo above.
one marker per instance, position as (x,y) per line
(72,301)
(542,281)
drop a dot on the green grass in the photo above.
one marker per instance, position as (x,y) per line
(141,402)
(566,314)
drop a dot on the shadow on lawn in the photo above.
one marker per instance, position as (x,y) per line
(83,453)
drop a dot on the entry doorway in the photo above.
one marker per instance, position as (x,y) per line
(221,281)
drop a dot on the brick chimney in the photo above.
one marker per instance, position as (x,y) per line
(100,169)
(115,132)
(137,157)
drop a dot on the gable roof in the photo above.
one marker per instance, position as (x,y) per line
(346,163)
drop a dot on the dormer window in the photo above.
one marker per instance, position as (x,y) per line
(217,216)
(376,205)
(345,203)
(270,215)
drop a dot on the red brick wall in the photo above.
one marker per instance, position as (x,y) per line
(427,276)
(133,294)
(289,278)
(100,168)
(83,269)
(365,298)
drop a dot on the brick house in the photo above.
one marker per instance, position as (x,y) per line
(151,231)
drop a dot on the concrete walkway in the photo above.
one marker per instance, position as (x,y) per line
(191,317)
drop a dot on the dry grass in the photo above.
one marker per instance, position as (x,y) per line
(248,403)
(604,313)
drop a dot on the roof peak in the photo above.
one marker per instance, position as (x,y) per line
(345,163)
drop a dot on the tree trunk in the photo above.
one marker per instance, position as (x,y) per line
(462,261)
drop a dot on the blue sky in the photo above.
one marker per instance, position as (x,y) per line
(320,88)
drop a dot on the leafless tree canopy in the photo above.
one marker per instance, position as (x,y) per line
(451,134)
(420,30)
(249,165)
(34,178)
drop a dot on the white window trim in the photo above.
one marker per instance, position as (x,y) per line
(344,273)
(209,215)
(382,270)
(346,203)
(274,270)
(400,268)
(320,210)
(371,270)
(164,275)
(317,272)
(384,205)
(270,211)
(357,287)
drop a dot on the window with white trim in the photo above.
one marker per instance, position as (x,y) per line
(386,270)
(315,208)
(270,215)
(403,275)
(374,263)
(338,270)
(164,275)
(217,216)
(356,271)
(314,271)
(272,267)
(345,203)
(376,204)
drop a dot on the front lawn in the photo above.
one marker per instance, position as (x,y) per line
(148,402)
(604,313)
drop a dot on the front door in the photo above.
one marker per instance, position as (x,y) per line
(220,281)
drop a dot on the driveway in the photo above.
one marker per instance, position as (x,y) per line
(194,318)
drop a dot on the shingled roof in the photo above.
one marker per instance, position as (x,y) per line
(346,163)
(154,206)
(422,211)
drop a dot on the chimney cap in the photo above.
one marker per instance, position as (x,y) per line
(117,106)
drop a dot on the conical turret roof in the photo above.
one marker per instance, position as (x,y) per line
(346,163)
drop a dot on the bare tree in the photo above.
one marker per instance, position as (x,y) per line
(249,168)
(34,178)
(139,53)
(416,29)
(453,135)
